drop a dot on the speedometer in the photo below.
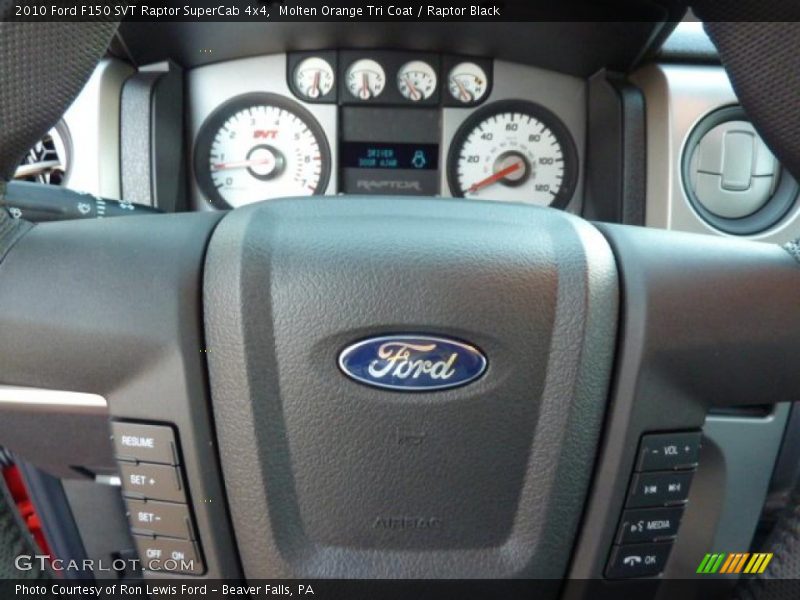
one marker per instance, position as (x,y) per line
(514,151)
(260,146)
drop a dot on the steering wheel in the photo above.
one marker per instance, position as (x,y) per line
(248,336)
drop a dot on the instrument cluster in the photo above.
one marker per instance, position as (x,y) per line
(387,122)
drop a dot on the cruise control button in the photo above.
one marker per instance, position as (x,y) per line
(663,451)
(638,560)
(660,488)
(160,518)
(155,482)
(169,555)
(649,524)
(145,443)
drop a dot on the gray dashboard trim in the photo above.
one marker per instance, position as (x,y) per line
(13,398)
(93,121)
(678,97)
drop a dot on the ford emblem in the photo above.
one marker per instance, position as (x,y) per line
(409,363)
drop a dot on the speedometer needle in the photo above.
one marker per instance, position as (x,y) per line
(494,177)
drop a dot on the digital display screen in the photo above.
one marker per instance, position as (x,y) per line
(372,155)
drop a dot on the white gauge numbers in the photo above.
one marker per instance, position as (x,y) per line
(416,80)
(249,151)
(365,79)
(314,78)
(467,82)
(508,153)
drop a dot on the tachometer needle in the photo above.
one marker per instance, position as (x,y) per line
(494,177)
(242,164)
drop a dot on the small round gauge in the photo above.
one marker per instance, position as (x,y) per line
(513,151)
(416,80)
(365,79)
(260,146)
(467,82)
(314,77)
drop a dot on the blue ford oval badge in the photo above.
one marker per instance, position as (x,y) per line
(412,362)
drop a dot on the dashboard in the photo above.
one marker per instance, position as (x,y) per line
(254,124)
(384,122)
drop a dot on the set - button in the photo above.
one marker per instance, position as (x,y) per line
(153,485)
(654,504)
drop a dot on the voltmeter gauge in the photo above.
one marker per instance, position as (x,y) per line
(314,77)
(260,146)
(513,151)
(467,82)
(416,80)
(365,79)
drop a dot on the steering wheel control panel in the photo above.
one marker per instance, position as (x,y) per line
(654,505)
(153,485)
(389,122)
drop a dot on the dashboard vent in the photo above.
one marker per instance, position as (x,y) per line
(48,161)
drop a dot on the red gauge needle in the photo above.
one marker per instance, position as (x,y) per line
(314,92)
(494,177)
(415,95)
(465,95)
(364,86)
(242,163)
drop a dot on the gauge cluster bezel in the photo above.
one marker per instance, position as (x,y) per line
(210,86)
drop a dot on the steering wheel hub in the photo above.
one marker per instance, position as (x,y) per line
(328,476)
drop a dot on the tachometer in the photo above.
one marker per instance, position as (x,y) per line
(260,146)
(513,151)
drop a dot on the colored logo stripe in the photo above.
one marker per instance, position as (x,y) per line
(737,562)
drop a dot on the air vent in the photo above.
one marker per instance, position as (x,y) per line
(48,161)
(731,178)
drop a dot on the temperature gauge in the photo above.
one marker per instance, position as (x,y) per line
(467,82)
(365,79)
(416,80)
(314,77)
